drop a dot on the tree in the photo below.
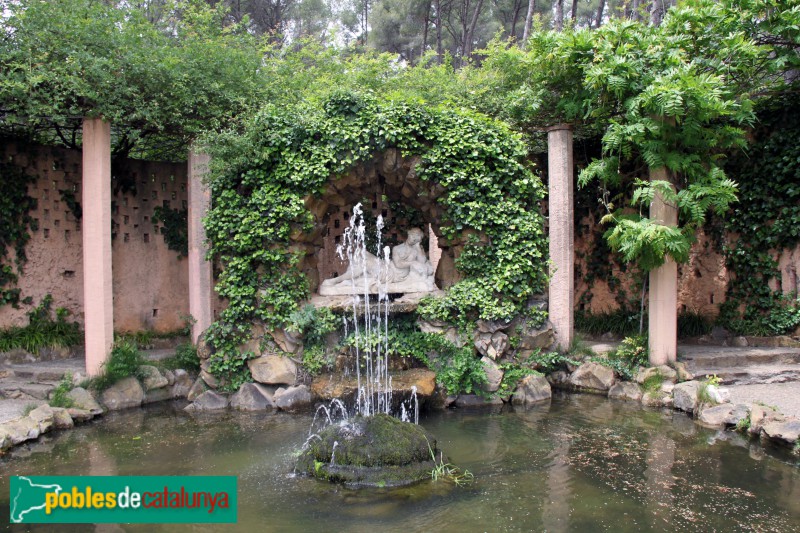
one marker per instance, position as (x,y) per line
(159,84)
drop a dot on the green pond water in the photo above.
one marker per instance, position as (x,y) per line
(581,463)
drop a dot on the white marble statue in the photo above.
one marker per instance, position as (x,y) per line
(408,270)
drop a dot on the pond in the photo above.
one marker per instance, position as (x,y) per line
(580,463)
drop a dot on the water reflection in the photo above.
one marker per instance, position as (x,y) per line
(579,464)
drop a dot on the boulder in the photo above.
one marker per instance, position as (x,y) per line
(473,400)
(252,397)
(287,341)
(208,401)
(273,369)
(197,389)
(123,394)
(61,418)
(492,326)
(205,374)
(442,328)
(682,372)
(559,378)
(656,399)
(592,377)
(532,389)
(536,339)
(740,342)
(739,413)
(685,394)
(625,390)
(182,384)
(717,394)
(152,378)
(79,415)
(293,398)
(204,349)
(20,430)
(716,416)
(492,345)
(759,415)
(82,399)
(44,417)
(787,431)
(666,373)
(170,375)
(157,395)
(494,374)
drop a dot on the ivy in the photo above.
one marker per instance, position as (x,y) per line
(175,228)
(262,174)
(15,222)
(766,220)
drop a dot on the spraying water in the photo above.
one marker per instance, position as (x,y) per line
(370,320)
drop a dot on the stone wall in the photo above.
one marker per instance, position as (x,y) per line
(150,282)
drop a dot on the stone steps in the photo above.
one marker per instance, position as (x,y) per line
(743,366)
(22,390)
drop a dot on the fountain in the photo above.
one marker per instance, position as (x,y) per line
(373,447)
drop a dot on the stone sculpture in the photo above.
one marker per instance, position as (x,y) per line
(408,270)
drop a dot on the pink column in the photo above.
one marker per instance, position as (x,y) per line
(663,312)
(200,283)
(562,258)
(97,284)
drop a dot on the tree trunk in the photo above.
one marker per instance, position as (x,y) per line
(655,13)
(635,15)
(559,22)
(439,50)
(467,48)
(517,7)
(426,22)
(574,14)
(600,8)
(528,22)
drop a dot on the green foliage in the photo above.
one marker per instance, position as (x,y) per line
(619,322)
(59,398)
(628,357)
(124,361)
(766,221)
(314,324)
(548,362)
(513,372)
(743,425)
(15,222)
(457,369)
(446,471)
(262,175)
(693,324)
(158,83)
(185,358)
(42,331)
(652,384)
(175,228)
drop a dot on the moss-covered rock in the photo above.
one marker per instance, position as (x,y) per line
(372,451)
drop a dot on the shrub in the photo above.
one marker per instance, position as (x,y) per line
(124,361)
(59,397)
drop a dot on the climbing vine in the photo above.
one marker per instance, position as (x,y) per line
(175,228)
(766,219)
(262,174)
(15,222)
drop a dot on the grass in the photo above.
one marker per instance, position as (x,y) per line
(59,397)
(743,425)
(448,472)
(185,358)
(653,383)
(28,408)
(124,361)
(42,330)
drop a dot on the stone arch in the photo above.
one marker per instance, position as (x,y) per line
(388,173)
